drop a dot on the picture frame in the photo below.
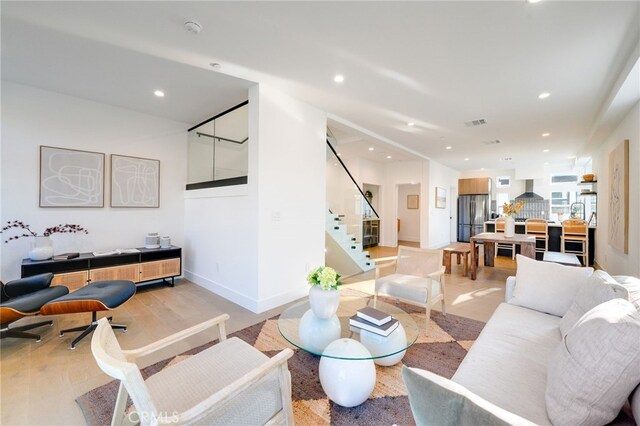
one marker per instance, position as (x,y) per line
(71,178)
(619,197)
(135,182)
(441,198)
(413,202)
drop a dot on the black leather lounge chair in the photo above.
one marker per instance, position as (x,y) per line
(25,297)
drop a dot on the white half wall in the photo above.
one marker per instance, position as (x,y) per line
(612,260)
(254,244)
(32,117)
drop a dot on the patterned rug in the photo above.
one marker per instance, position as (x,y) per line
(441,352)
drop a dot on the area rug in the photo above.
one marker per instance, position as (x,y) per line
(441,352)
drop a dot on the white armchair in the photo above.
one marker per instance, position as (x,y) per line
(417,279)
(229,383)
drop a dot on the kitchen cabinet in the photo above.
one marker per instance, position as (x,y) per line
(474,186)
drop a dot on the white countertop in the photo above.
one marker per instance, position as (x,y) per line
(551,224)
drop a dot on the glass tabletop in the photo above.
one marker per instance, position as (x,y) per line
(301,328)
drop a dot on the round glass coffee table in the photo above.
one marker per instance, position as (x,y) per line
(347,371)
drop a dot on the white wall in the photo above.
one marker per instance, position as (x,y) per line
(256,242)
(32,117)
(409,218)
(609,258)
(440,220)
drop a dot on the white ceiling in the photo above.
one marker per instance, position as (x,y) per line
(437,64)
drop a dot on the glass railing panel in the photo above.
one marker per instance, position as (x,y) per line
(345,197)
(219,149)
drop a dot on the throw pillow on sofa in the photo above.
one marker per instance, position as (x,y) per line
(596,367)
(547,287)
(632,284)
(599,288)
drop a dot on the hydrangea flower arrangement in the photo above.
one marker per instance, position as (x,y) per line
(325,277)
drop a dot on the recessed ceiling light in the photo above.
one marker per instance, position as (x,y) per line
(466,159)
(448,147)
(214,65)
(192,26)
(338,78)
(371,148)
(335,164)
(544,135)
(544,95)
(545,150)
(159,93)
(388,156)
(339,154)
(411,124)
(481,168)
(533,1)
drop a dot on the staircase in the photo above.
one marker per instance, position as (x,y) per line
(337,230)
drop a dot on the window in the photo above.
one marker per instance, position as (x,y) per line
(503,182)
(561,201)
(501,199)
(564,179)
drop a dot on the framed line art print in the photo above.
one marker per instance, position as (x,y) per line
(71,178)
(135,182)
(441,198)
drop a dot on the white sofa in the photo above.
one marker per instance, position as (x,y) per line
(503,378)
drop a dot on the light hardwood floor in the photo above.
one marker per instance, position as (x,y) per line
(40,381)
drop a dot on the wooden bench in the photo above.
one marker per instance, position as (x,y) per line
(460,250)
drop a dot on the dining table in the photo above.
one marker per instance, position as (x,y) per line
(527,245)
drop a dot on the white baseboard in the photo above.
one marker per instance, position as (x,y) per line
(255,306)
(220,290)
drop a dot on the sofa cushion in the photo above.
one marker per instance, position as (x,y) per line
(599,288)
(547,287)
(593,372)
(507,365)
(436,400)
(632,284)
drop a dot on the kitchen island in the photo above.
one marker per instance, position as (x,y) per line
(555,231)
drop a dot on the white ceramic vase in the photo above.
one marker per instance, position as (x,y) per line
(41,248)
(324,303)
(509,226)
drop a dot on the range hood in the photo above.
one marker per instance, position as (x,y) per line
(528,193)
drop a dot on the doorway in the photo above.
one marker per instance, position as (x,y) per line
(409,205)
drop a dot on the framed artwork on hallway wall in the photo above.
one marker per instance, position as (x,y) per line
(441,198)
(619,197)
(413,201)
(135,182)
(71,178)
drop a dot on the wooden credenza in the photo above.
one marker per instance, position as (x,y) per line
(147,265)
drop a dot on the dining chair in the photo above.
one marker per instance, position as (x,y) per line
(574,232)
(539,228)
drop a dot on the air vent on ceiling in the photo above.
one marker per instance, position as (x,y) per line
(507,159)
(473,123)
(491,142)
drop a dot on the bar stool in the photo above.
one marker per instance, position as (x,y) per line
(540,229)
(576,231)
(505,246)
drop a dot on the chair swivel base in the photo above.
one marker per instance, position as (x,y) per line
(88,329)
(19,332)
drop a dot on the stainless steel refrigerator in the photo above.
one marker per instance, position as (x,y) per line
(473,211)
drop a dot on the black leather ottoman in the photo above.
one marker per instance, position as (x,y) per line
(94,297)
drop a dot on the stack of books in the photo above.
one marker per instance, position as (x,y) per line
(66,256)
(373,320)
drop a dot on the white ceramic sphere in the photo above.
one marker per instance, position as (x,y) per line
(316,333)
(324,303)
(347,382)
(380,345)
